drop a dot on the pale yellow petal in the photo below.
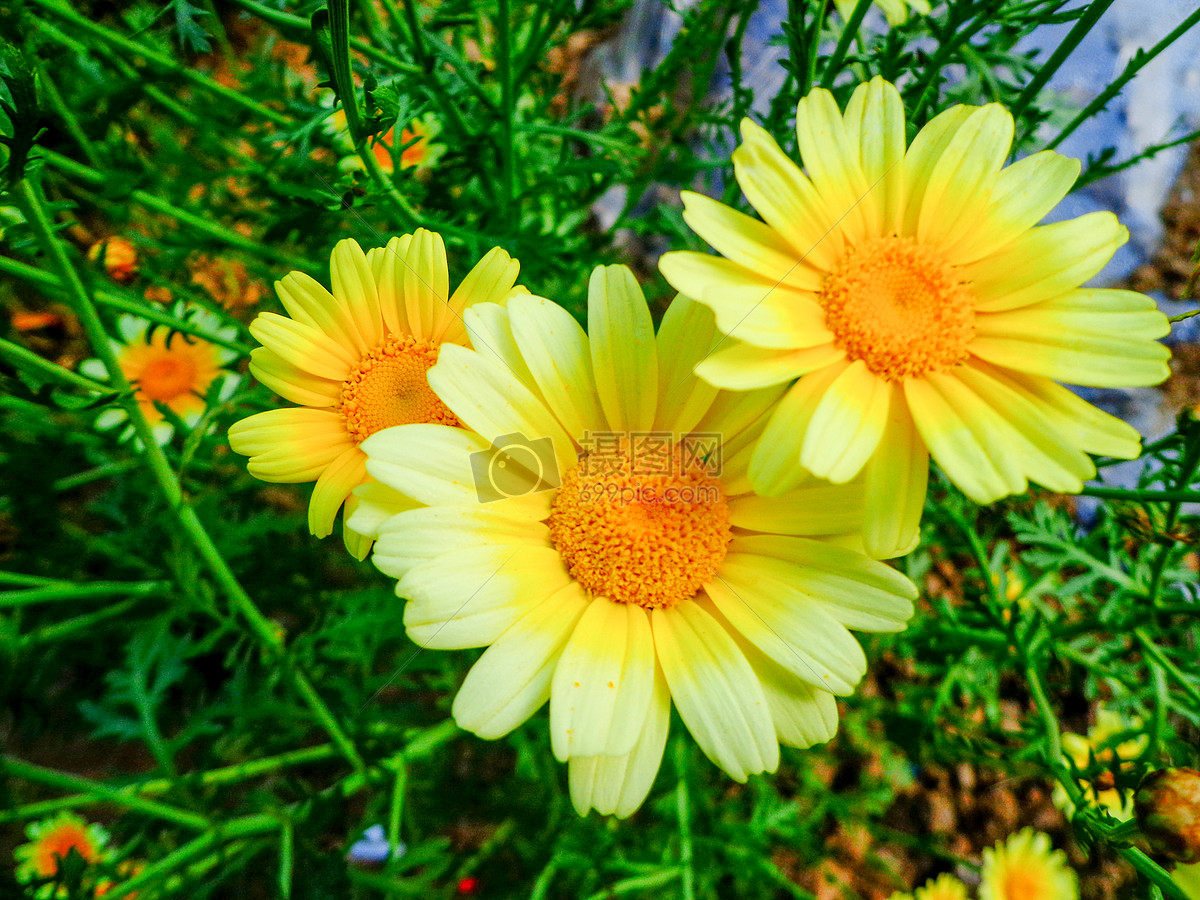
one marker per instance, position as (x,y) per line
(555,348)
(339,478)
(817,507)
(775,466)
(833,166)
(468,598)
(387,266)
(375,504)
(897,478)
(794,630)
(747,307)
(847,424)
(357,544)
(490,281)
(1022,195)
(921,160)
(748,242)
(307,301)
(857,591)
(1085,426)
(290,445)
(489,398)
(1045,262)
(354,288)
(713,687)
(875,126)
(424,533)
(490,332)
(512,679)
(617,785)
(959,190)
(603,683)
(292,383)
(736,366)
(964,437)
(427,286)
(303,346)
(624,357)
(687,332)
(440,465)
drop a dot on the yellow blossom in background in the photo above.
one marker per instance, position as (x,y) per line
(1025,868)
(52,840)
(944,887)
(355,361)
(420,151)
(169,367)
(1098,745)
(896,11)
(914,308)
(118,257)
(593,527)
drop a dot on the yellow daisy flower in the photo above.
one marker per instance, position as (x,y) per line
(596,531)
(1025,868)
(52,840)
(168,367)
(1098,744)
(911,301)
(944,887)
(355,361)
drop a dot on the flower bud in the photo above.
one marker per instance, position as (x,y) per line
(1167,805)
(119,257)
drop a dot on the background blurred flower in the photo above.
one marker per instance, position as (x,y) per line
(1025,868)
(169,367)
(1098,747)
(1168,811)
(118,256)
(896,11)
(52,840)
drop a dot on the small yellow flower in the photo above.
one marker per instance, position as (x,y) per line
(1098,744)
(1025,868)
(118,256)
(355,361)
(595,530)
(168,367)
(945,887)
(913,306)
(52,840)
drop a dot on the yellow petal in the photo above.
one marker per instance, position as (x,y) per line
(427,286)
(624,357)
(354,288)
(512,679)
(293,383)
(875,126)
(775,467)
(307,301)
(303,346)
(388,268)
(687,332)
(897,478)
(833,166)
(847,424)
(603,683)
(739,367)
(715,691)
(340,477)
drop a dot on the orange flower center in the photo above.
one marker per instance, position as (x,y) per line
(1026,885)
(640,533)
(168,377)
(56,845)
(176,371)
(899,308)
(388,387)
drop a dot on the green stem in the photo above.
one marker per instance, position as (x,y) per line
(849,30)
(55,593)
(99,473)
(1143,496)
(97,179)
(1184,316)
(161,61)
(23,358)
(69,119)
(262,628)
(85,624)
(102,792)
(1153,651)
(228,832)
(683,811)
(1043,73)
(1139,61)
(110,300)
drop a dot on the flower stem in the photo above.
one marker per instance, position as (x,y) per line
(267,633)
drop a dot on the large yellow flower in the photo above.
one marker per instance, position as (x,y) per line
(911,301)
(356,360)
(1025,868)
(596,531)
